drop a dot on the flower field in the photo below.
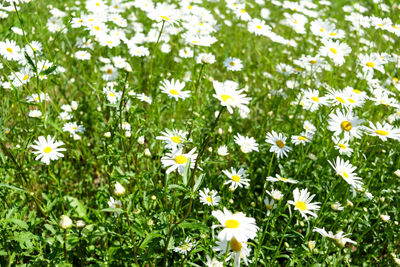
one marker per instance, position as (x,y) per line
(199,133)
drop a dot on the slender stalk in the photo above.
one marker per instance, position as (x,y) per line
(283,236)
(65,245)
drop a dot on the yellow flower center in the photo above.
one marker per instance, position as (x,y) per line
(313,61)
(381,132)
(332,34)
(173,92)
(111,94)
(315,98)
(258,27)
(236,178)
(302,138)
(301,205)
(243,11)
(232,224)
(180,159)
(74,128)
(97,4)
(232,63)
(209,199)
(370,64)
(268,206)
(235,245)
(345,175)
(165,18)
(109,71)
(176,139)
(342,146)
(333,50)
(47,149)
(279,143)
(357,91)
(341,100)
(346,126)
(97,28)
(322,30)
(26,77)
(9,49)
(283,179)
(395,80)
(226,98)
(351,100)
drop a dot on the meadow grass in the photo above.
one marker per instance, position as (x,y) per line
(199,133)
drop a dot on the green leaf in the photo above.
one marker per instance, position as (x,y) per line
(77,205)
(149,237)
(194,225)
(49,70)
(13,187)
(30,62)
(17,222)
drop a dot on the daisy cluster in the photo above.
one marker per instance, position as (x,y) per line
(201,133)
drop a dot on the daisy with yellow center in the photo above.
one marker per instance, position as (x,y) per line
(236,178)
(209,197)
(173,138)
(302,203)
(345,123)
(235,225)
(345,170)
(278,142)
(269,205)
(174,89)
(177,160)
(281,179)
(230,96)
(383,131)
(47,149)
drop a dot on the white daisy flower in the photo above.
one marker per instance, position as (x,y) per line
(233,64)
(173,138)
(383,131)
(227,92)
(236,178)
(235,225)
(281,179)
(345,123)
(278,142)
(185,246)
(247,144)
(209,197)
(174,89)
(346,171)
(269,205)
(114,204)
(47,150)
(302,203)
(339,239)
(178,160)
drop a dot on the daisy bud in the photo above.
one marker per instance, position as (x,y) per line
(349,203)
(231,188)
(141,140)
(74,105)
(150,222)
(119,190)
(384,218)
(128,134)
(77,137)
(231,201)
(311,244)
(107,134)
(230,129)
(210,149)
(65,222)
(286,245)
(397,173)
(153,197)
(80,224)
(147,152)
(220,131)
(382,199)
